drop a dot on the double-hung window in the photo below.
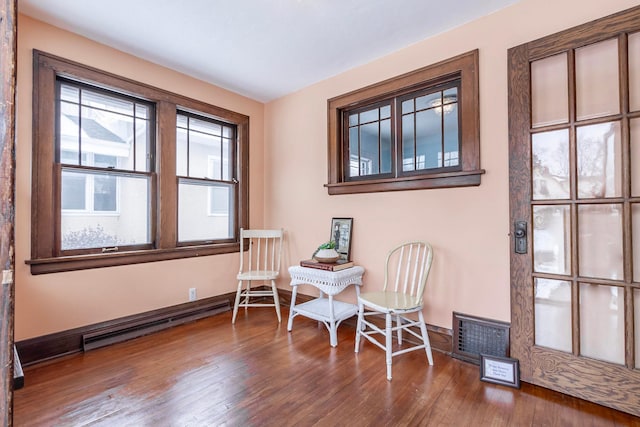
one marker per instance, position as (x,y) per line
(103,143)
(419,130)
(128,173)
(206,182)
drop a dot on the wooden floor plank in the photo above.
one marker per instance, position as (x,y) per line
(256,373)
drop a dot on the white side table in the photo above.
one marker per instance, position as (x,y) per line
(325,309)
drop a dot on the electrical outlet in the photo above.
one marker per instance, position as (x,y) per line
(192,294)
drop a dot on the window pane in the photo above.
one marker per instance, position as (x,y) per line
(353,119)
(69,93)
(408,143)
(550,165)
(73,192)
(636,316)
(429,101)
(428,139)
(181,152)
(385,112)
(602,322)
(597,83)
(103,101)
(354,152)
(549,91)
(106,133)
(369,149)
(101,225)
(451,136)
(634,125)
(142,147)
(69,134)
(205,211)
(600,241)
(551,239)
(634,74)
(553,314)
(635,239)
(104,193)
(599,160)
(369,116)
(407,106)
(385,146)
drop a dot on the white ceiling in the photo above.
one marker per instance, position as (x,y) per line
(263,49)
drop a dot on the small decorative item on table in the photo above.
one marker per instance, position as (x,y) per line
(326,252)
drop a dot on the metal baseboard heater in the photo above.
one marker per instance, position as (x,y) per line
(153,323)
(473,336)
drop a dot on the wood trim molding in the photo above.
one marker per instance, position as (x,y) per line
(48,347)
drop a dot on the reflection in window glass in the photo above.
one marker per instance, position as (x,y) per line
(550,165)
(370,142)
(599,156)
(430,136)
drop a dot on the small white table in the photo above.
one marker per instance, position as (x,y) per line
(325,309)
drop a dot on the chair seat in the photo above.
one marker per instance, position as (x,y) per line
(390,301)
(258,275)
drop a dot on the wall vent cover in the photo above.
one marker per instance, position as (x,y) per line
(473,336)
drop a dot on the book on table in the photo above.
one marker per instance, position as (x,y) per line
(341,264)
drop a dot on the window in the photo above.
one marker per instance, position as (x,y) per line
(416,131)
(140,174)
(206,183)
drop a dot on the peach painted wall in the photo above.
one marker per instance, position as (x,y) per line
(55,302)
(468,227)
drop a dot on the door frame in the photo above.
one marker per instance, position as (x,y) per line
(8,52)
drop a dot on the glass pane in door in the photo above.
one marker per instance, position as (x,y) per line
(600,241)
(636,316)
(602,322)
(550,165)
(599,160)
(553,314)
(635,238)
(597,83)
(634,126)
(634,71)
(549,91)
(551,239)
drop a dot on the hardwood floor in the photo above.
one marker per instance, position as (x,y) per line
(210,373)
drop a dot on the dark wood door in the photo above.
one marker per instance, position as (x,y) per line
(574,147)
(8,16)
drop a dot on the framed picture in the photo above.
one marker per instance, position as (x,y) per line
(341,235)
(500,370)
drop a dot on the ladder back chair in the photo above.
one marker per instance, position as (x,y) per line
(260,262)
(406,271)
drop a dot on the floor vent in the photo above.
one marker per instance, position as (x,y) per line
(473,336)
(152,323)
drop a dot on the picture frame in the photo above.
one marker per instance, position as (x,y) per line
(341,231)
(500,370)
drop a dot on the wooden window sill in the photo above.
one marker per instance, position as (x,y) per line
(83,262)
(422,182)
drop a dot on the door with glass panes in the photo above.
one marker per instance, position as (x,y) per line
(574,148)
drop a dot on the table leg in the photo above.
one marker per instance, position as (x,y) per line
(292,308)
(333,333)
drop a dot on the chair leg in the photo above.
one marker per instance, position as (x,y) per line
(359,325)
(425,337)
(237,303)
(246,296)
(399,326)
(389,343)
(276,300)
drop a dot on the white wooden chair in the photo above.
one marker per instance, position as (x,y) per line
(406,270)
(259,263)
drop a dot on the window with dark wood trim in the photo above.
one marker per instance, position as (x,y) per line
(126,173)
(415,131)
